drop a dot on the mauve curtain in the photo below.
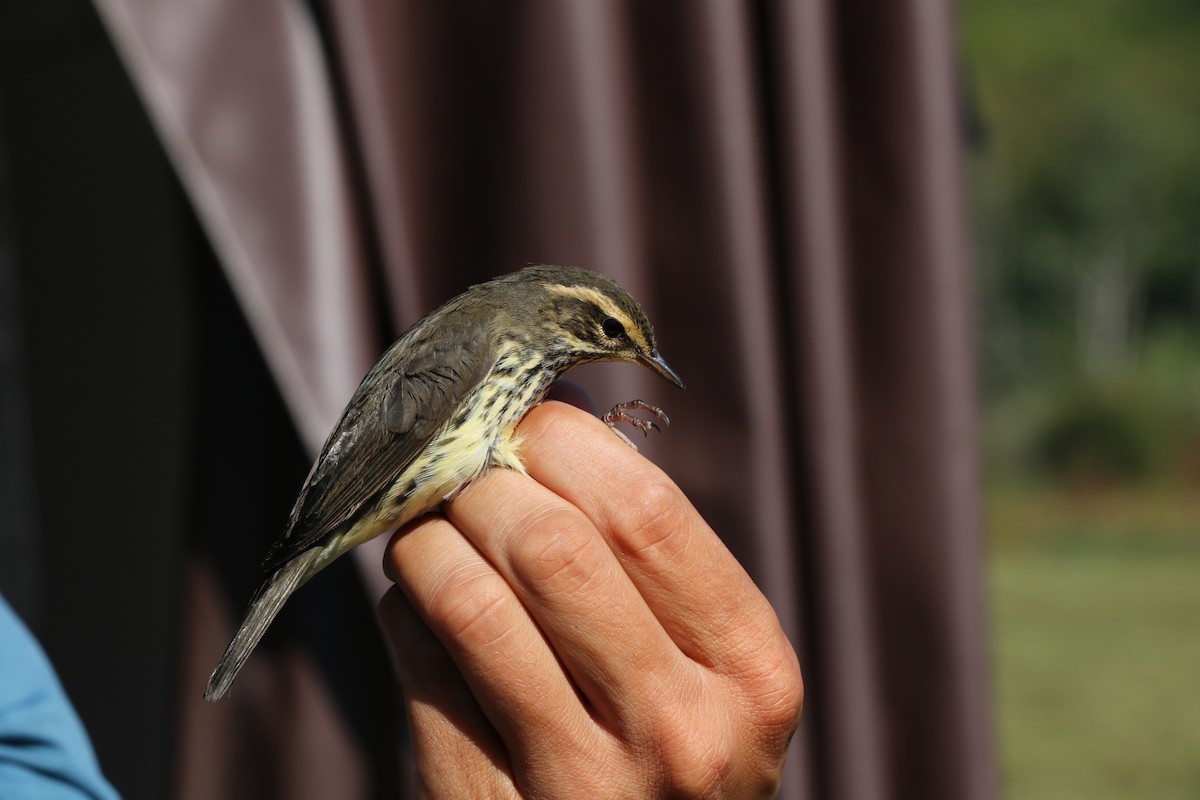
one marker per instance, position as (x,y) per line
(778,182)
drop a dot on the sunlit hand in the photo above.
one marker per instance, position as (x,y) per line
(582,632)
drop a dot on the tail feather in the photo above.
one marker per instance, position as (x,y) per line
(263,609)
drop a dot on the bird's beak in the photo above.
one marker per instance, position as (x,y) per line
(656,362)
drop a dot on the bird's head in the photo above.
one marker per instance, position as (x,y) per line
(593,318)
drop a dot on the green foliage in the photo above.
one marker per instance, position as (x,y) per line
(1129,431)
(1095,436)
(1137,425)
(1088,166)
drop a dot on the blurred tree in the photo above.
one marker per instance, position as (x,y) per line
(1086,198)
(1087,180)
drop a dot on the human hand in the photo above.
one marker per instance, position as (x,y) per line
(585,634)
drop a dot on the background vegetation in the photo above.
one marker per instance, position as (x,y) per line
(1085,175)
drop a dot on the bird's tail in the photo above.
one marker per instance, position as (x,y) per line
(263,608)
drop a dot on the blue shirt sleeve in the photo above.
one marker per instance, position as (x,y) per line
(44,750)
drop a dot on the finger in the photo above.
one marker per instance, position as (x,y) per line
(568,578)
(703,597)
(502,656)
(457,751)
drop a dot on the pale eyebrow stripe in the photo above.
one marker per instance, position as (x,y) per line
(585,293)
(590,295)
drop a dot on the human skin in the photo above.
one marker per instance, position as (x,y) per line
(581,632)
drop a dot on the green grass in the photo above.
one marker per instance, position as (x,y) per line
(1096,614)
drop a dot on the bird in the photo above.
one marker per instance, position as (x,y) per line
(439,408)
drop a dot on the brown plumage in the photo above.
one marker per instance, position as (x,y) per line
(438,408)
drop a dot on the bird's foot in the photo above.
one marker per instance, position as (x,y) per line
(620,413)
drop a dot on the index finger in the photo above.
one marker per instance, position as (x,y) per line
(696,588)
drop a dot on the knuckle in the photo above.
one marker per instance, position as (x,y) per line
(729,746)
(648,524)
(557,553)
(709,744)
(698,756)
(710,759)
(780,702)
(471,607)
(772,694)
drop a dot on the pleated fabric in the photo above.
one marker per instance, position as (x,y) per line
(778,182)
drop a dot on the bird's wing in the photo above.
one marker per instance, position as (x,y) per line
(405,399)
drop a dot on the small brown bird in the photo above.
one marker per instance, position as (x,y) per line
(437,409)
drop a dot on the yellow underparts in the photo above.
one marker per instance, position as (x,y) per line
(457,454)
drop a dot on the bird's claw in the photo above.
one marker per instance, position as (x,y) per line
(620,413)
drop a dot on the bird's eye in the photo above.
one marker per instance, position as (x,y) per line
(613,328)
